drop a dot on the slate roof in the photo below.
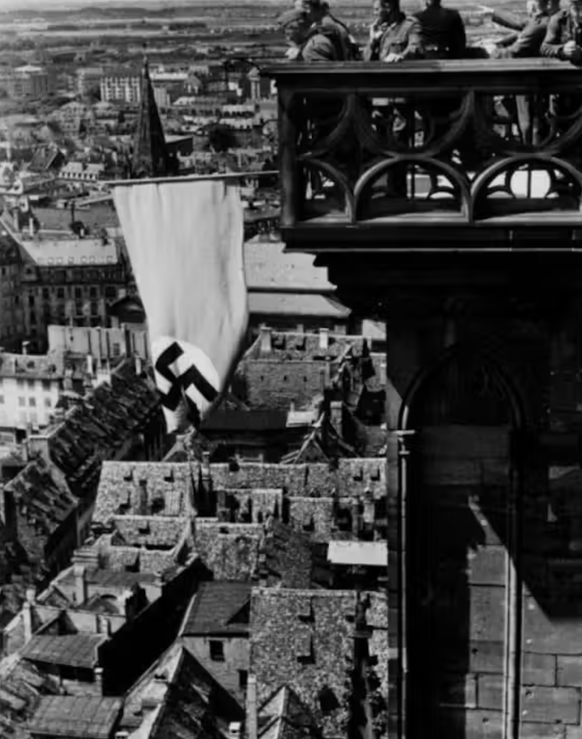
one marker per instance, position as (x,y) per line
(287,557)
(289,304)
(252,420)
(317,623)
(72,650)
(214,606)
(43,500)
(268,266)
(100,425)
(152,531)
(119,485)
(21,688)
(230,551)
(83,717)
(284,716)
(111,579)
(301,345)
(177,697)
(27,366)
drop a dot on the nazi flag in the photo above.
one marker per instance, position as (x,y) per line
(186,379)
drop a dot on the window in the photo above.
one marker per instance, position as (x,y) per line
(60,292)
(93,292)
(30,384)
(78,293)
(243,677)
(21,402)
(31,299)
(116,349)
(32,402)
(216,650)
(19,382)
(46,385)
(110,292)
(45,293)
(47,402)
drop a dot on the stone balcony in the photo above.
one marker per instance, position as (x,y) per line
(430,155)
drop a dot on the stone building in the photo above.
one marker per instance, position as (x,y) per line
(478,281)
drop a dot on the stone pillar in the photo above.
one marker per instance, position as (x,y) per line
(252,723)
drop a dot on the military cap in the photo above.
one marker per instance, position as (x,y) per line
(292,17)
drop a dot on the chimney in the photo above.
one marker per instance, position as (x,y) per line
(356,519)
(336,413)
(103,625)
(31,227)
(265,339)
(143,497)
(234,730)
(25,345)
(80,584)
(324,339)
(90,365)
(252,724)
(68,381)
(138,365)
(262,568)
(206,474)
(98,672)
(27,613)
(127,338)
(221,511)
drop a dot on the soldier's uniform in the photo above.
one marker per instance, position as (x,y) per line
(443,33)
(403,36)
(561,29)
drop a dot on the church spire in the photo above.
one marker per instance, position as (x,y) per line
(150,155)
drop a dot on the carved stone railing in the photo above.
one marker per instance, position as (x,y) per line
(456,150)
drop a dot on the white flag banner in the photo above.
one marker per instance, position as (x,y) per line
(185,242)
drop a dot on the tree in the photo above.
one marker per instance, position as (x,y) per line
(221,138)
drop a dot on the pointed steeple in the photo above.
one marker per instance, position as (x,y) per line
(150,155)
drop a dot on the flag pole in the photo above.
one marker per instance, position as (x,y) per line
(192,178)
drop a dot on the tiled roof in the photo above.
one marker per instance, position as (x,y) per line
(81,717)
(178,698)
(288,557)
(110,579)
(73,650)
(119,485)
(267,265)
(21,688)
(317,624)
(284,716)
(43,501)
(150,530)
(45,366)
(95,217)
(294,345)
(230,551)
(249,421)
(214,605)
(98,427)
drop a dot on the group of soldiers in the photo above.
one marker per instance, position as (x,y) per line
(314,34)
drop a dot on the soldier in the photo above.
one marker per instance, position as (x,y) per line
(563,38)
(515,24)
(529,110)
(443,31)
(320,16)
(529,40)
(309,43)
(394,36)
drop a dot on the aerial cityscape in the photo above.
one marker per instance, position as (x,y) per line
(357,514)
